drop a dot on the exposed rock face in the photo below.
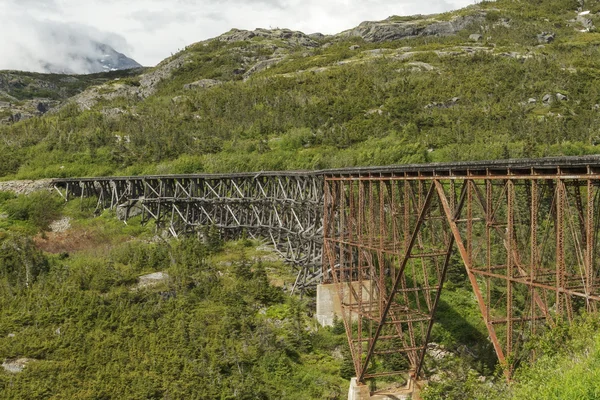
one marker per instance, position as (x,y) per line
(151,280)
(147,85)
(587,23)
(261,66)
(289,36)
(390,29)
(15,366)
(202,84)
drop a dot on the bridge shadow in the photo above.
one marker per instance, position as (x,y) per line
(464,332)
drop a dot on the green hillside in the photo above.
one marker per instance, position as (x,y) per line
(282,100)
(501,79)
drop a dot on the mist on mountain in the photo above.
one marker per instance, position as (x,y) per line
(55,47)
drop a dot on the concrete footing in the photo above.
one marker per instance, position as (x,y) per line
(328,304)
(358,391)
(411,391)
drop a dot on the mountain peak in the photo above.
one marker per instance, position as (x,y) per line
(101,58)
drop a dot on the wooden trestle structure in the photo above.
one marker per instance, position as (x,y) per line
(284,208)
(525,231)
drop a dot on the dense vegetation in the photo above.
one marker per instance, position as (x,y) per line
(222,325)
(216,328)
(332,107)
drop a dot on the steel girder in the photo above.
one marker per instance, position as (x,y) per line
(527,240)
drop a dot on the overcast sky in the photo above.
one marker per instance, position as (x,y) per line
(150,30)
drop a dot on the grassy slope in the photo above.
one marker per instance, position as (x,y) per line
(215,329)
(283,118)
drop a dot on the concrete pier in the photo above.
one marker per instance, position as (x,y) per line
(329,306)
(358,391)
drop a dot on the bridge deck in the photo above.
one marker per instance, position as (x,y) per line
(541,166)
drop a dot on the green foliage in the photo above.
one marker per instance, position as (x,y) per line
(20,263)
(334,107)
(39,208)
(205,333)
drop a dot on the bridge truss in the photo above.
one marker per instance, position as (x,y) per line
(526,233)
(283,208)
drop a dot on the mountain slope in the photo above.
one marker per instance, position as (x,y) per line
(101,58)
(495,80)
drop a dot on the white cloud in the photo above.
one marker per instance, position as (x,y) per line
(150,30)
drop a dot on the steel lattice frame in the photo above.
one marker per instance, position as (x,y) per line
(526,232)
(527,238)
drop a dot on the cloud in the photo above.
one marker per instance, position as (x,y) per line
(150,30)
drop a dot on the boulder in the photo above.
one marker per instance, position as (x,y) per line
(202,84)
(16,366)
(587,23)
(546,37)
(561,97)
(261,66)
(354,47)
(392,29)
(316,36)
(548,99)
(475,37)
(420,66)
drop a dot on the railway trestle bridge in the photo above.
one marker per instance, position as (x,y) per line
(524,231)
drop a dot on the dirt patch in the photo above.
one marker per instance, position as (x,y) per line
(68,241)
(26,187)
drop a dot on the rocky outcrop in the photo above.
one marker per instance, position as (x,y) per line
(391,29)
(261,66)
(13,112)
(546,37)
(148,84)
(16,366)
(286,35)
(202,84)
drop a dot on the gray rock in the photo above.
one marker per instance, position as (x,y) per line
(130,209)
(548,99)
(561,97)
(261,66)
(16,366)
(531,100)
(202,84)
(475,37)
(316,36)
(354,47)
(390,29)
(587,23)
(113,112)
(288,36)
(151,280)
(419,66)
(450,103)
(546,37)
